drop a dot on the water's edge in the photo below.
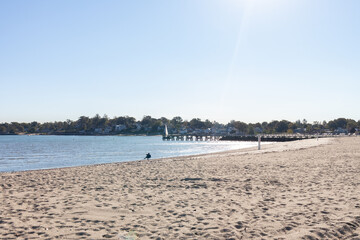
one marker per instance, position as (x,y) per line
(24,153)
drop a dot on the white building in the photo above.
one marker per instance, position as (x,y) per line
(120,127)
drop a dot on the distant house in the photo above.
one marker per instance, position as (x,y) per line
(120,127)
(341,131)
(107,130)
(207,131)
(198,131)
(98,130)
(327,132)
(220,131)
(183,131)
(146,129)
(138,126)
(300,130)
(233,131)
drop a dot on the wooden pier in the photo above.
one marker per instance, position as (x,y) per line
(247,138)
(269,138)
(178,137)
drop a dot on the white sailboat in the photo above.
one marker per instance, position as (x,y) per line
(166,131)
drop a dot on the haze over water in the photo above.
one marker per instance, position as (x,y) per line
(19,153)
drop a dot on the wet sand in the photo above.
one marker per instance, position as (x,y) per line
(300,190)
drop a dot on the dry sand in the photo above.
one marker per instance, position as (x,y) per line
(301,190)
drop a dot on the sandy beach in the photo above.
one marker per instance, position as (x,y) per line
(306,189)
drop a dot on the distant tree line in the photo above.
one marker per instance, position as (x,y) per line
(98,125)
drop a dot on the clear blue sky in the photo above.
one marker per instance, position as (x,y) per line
(247,60)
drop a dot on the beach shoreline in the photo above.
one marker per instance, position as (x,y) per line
(275,146)
(306,189)
(47,152)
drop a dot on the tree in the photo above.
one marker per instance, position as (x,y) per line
(337,123)
(298,124)
(176,122)
(164,121)
(155,126)
(83,123)
(3,129)
(272,126)
(130,122)
(150,124)
(351,125)
(95,121)
(34,126)
(17,127)
(196,123)
(324,123)
(240,126)
(104,121)
(282,126)
(316,127)
(147,121)
(46,127)
(250,130)
(264,126)
(208,124)
(59,126)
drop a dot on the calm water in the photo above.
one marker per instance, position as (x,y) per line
(18,153)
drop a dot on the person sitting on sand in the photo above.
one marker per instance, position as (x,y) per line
(148,156)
